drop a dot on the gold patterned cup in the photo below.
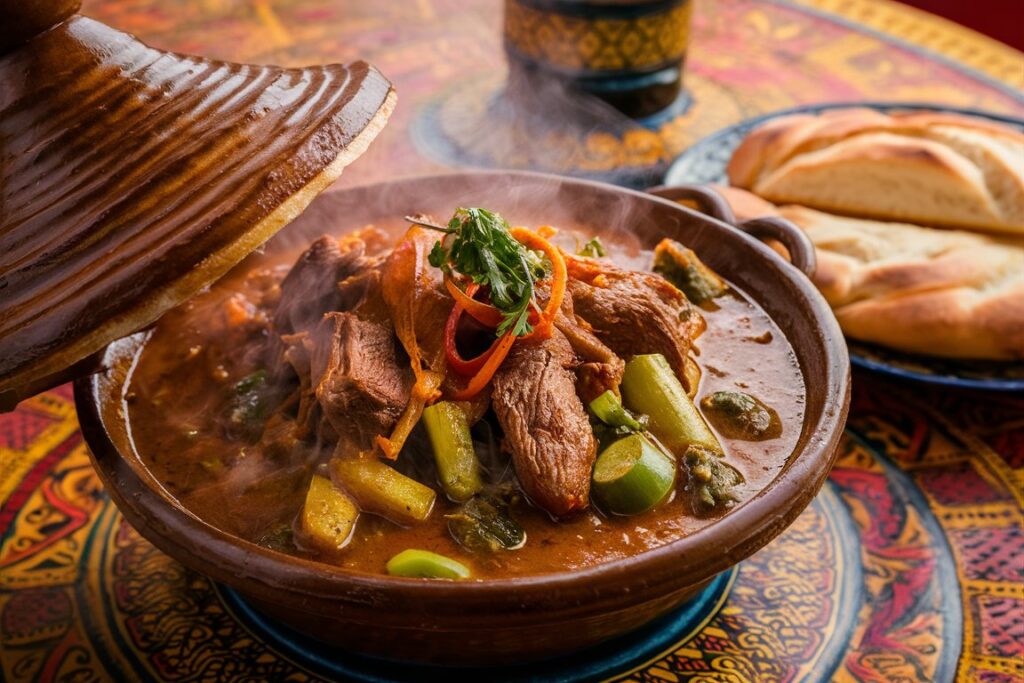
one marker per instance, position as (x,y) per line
(628,53)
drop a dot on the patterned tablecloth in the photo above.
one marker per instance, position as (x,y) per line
(910,564)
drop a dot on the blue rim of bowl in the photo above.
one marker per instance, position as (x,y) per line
(723,142)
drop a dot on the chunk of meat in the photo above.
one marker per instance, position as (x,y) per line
(316,273)
(636,312)
(311,287)
(361,383)
(546,427)
(600,369)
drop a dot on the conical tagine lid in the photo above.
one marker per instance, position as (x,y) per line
(130,178)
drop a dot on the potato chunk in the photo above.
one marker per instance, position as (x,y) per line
(328,515)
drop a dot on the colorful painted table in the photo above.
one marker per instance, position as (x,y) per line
(910,564)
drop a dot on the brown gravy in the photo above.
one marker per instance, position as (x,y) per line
(192,359)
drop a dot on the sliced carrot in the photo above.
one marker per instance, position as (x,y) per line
(455,360)
(559,277)
(547,231)
(423,392)
(543,322)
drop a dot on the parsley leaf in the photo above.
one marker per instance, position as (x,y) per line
(593,248)
(480,246)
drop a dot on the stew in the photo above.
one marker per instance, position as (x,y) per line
(466,400)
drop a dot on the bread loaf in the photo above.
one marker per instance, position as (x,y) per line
(928,168)
(921,290)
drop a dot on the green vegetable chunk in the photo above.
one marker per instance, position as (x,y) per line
(251,402)
(608,408)
(328,515)
(712,481)
(593,248)
(384,491)
(280,537)
(737,415)
(423,564)
(650,387)
(632,476)
(457,464)
(681,267)
(482,524)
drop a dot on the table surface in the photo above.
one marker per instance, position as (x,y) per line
(908,566)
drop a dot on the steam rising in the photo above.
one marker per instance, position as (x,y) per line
(535,122)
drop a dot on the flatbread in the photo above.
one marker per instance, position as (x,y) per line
(929,291)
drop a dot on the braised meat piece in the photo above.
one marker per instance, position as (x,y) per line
(636,312)
(339,276)
(311,287)
(361,383)
(600,369)
(546,427)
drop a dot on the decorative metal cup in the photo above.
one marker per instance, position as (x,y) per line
(629,53)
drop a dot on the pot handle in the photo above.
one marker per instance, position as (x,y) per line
(795,240)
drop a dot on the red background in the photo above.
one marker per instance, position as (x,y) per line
(999,19)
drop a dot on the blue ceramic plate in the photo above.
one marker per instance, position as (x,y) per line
(706,161)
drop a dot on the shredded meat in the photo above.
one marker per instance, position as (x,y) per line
(362,383)
(635,312)
(334,333)
(546,427)
(600,369)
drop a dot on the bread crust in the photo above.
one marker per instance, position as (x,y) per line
(930,168)
(928,291)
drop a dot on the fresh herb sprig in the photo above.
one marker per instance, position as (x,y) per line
(480,246)
(593,248)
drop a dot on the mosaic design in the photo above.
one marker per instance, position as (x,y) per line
(905,568)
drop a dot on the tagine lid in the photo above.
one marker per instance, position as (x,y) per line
(133,177)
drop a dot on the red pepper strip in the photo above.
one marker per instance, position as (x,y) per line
(497,353)
(455,361)
(480,379)
(485,314)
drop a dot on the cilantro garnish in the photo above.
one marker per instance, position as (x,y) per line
(479,246)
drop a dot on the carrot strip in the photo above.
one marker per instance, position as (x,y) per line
(559,277)
(498,351)
(423,392)
(480,379)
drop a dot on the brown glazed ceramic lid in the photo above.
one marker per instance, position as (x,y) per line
(130,177)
